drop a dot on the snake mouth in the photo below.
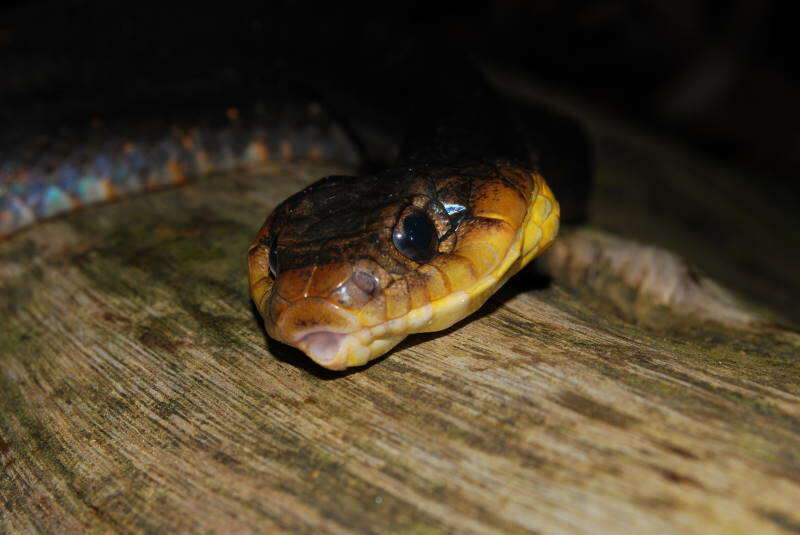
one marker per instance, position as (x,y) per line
(322,346)
(340,350)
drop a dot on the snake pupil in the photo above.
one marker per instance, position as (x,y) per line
(415,235)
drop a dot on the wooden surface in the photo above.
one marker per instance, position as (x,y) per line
(139,393)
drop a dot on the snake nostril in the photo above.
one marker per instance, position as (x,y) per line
(357,291)
(366,282)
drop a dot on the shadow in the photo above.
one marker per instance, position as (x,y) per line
(531,278)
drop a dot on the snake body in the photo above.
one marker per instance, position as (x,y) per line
(340,290)
(42,176)
(349,266)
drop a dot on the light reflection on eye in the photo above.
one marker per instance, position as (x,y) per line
(452,209)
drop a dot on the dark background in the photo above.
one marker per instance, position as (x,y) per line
(720,76)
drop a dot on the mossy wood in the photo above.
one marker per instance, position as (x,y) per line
(139,393)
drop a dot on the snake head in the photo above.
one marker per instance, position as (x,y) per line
(349,266)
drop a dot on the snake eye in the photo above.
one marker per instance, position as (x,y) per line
(415,235)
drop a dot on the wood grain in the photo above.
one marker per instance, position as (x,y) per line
(139,394)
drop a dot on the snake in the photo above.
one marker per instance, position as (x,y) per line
(346,268)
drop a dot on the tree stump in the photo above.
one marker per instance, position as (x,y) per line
(140,394)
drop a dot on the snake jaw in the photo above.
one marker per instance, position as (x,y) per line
(338,351)
(324,348)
